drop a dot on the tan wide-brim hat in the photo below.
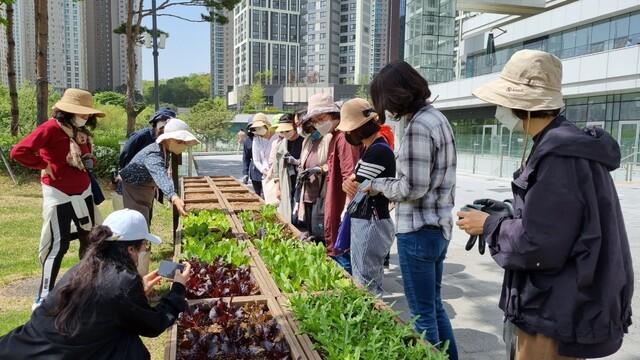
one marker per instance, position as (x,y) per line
(178,130)
(79,102)
(531,80)
(286,124)
(259,120)
(320,104)
(355,113)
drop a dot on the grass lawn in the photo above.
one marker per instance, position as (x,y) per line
(21,222)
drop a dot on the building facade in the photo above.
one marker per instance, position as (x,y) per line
(430,38)
(599,46)
(222,57)
(319,41)
(380,38)
(355,41)
(266,41)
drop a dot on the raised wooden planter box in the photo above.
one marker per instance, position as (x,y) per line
(233,197)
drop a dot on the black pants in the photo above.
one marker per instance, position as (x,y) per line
(257,187)
(61,237)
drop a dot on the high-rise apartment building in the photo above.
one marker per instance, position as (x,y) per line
(266,41)
(380,44)
(107,51)
(355,37)
(222,57)
(430,38)
(67,51)
(320,37)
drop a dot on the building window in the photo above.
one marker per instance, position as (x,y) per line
(322,57)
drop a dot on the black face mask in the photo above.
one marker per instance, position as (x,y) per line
(355,137)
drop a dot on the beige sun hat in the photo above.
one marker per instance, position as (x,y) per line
(259,120)
(354,113)
(77,101)
(286,124)
(531,80)
(320,104)
(178,130)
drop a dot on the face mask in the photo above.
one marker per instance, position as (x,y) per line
(352,139)
(506,117)
(260,131)
(315,136)
(301,132)
(177,148)
(324,127)
(78,121)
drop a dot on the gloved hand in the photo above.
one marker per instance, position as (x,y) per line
(492,207)
(495,207)
(289,159)
(311,171)
(245,179)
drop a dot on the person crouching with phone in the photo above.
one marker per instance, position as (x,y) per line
(99,309)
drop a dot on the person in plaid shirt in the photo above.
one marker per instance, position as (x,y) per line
(424,191)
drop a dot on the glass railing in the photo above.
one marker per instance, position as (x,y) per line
(482,64)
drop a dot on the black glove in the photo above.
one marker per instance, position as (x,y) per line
(492,207)
(495,207)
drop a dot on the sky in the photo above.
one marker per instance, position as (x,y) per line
(187,47)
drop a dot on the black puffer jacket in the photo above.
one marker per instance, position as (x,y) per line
(112,324)
(568,267)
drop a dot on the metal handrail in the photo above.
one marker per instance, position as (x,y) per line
(630,155)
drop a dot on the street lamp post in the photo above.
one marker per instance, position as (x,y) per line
(156,90)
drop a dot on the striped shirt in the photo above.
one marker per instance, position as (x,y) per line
(424,188)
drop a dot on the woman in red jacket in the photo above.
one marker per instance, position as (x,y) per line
(67,207)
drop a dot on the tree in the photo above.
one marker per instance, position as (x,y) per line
(255,98)
(363,89)
(42,43)
(210,118)
(133,31)
(110,98)
(11,67)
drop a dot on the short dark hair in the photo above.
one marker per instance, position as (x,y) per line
(523,114)
(398,88)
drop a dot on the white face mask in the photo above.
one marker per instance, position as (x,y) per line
(177,148)
(78,121)
(260,131)
(324,127)
(506,117)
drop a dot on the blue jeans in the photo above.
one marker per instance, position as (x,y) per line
(344,260)
(422,256)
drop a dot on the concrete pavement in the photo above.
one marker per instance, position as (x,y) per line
(472,283)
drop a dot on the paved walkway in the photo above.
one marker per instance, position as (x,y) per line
(472,283)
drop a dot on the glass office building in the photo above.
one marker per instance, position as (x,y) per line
(430,38)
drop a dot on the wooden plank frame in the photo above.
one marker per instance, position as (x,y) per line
(278,302)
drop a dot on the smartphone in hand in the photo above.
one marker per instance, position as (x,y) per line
(168,269)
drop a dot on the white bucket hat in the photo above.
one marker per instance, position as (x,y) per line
(178,130)
(531,80)
(129,225)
